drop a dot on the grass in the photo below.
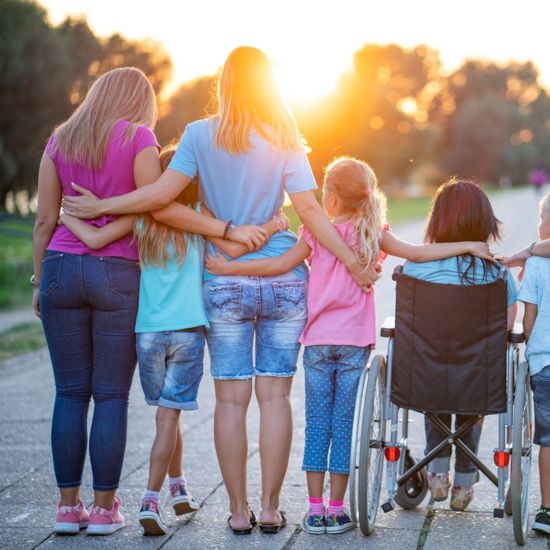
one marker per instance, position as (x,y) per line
(16,265)
(22,338)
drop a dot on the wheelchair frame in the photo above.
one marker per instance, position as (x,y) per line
(406,479)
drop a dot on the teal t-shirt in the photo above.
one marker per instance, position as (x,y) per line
(170,297)
(248,188)
(448,272)
(535,289)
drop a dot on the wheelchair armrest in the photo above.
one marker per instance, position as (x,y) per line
(515,336)
(388,328)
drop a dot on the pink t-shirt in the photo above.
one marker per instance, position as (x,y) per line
(338,312)
(116,177)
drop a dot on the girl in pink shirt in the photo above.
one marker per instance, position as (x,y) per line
(340,329)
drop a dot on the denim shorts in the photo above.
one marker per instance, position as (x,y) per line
(171,367)
(273,309)
(540,384)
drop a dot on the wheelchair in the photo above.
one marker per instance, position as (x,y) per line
(456,335)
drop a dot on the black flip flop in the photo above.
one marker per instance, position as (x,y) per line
(244,530)
(272,528)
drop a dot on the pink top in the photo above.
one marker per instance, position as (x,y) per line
(338,312)
(116,177)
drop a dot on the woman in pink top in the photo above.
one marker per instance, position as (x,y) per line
(340,328)
(87,299)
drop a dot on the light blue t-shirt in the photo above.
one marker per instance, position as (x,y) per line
(448,272)
(535,289)
(248,188)
(170,297)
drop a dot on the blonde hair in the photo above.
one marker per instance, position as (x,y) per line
(249,98)
(354,183)
(153,236)
(120,94)
(545,203)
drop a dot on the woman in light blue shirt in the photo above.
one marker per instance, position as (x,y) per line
(246,157)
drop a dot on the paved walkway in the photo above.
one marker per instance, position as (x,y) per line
(28,494)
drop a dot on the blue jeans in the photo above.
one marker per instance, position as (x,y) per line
(466,473)
(272,308)
(332,376)
(88,307)
(171,367)
(540,384)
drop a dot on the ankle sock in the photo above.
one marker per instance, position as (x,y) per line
(335,506)
(151,495)
(316,506)
(180,480)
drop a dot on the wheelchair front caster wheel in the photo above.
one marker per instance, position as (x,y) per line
(413,491)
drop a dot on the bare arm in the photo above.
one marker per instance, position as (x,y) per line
(316,221)
(529,318)
(236,250)
(540,248)
(511,317)
(157,195)
(49,203)
(98,237)
(437,251)
(218,265)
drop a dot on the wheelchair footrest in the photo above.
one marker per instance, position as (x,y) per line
(388,506)
(498,513)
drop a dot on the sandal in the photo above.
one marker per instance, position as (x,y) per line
(272,528)
(243,530)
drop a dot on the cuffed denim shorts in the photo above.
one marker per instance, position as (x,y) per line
(171,367)
(273,309)
(540,384)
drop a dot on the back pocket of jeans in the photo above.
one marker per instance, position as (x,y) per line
(224,300)
(122,276)
(51,272)
(290,297)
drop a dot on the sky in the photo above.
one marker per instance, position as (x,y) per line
(312,41)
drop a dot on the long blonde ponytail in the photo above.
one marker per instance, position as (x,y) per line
(354,183)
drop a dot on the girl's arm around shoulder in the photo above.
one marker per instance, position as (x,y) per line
(98,237)
(437,251)
(236,250)
(278,265)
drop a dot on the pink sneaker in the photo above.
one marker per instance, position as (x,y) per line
(105,522)
(69,520)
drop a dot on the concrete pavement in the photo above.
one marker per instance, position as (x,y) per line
(28,493)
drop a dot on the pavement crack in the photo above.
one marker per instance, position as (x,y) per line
(290,542)
(425,528)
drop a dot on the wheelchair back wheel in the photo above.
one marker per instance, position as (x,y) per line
(521,454)
(413,491)
(368,452)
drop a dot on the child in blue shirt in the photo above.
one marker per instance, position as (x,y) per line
(535,293)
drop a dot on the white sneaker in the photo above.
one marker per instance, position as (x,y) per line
(439,486)
(461,497)
(182,500)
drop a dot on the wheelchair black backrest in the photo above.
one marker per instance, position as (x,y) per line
(450,346)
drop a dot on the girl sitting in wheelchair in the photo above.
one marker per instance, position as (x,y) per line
(460,212)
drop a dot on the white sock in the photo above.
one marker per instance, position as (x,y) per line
(180,480)
(151,495)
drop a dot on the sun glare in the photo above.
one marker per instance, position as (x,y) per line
(303,85)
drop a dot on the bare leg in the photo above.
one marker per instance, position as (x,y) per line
(275,440)
(544,469)
(104,499)
(232,400)
(69,496)
(163,446)
(175,467)
(315,482)
(338,486)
